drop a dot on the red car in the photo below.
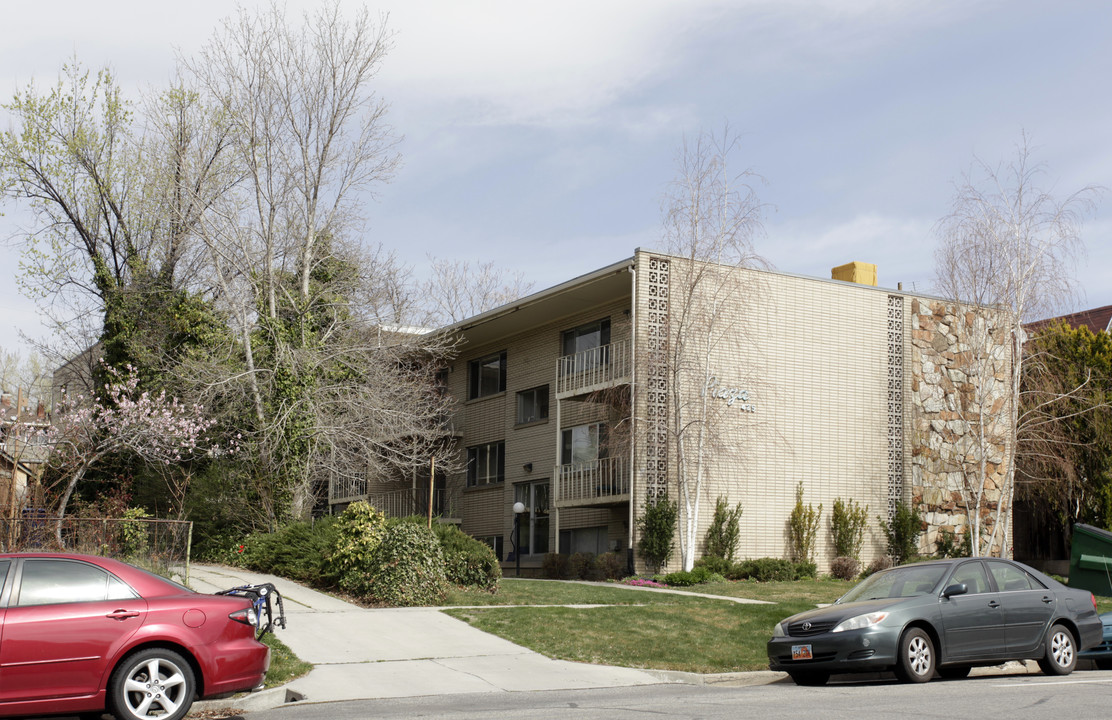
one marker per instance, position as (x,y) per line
(81,635)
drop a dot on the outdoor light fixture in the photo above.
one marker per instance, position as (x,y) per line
(527,467)
(519,508)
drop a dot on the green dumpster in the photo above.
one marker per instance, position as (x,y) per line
(1091,560)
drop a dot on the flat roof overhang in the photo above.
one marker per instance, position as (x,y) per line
(568,298)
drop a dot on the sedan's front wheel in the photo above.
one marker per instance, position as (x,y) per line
(1060,657)
(153,684)
(915,660)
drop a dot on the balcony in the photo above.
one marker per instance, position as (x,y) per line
(398,503)
(348,488)
(600,482)
(594,369)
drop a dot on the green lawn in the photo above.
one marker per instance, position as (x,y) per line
(643,629)
(284,665)
(637,628)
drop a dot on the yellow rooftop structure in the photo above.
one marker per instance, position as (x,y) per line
(861,273)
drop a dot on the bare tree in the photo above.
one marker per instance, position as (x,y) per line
(711,216)
(459,289)
(1007,248)
(25,375)
(336,382)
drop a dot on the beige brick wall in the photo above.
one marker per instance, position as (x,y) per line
(531,360)
(813,357)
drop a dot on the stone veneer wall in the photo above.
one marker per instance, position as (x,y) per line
(960,367)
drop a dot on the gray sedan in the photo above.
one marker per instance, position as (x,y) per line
(945,616)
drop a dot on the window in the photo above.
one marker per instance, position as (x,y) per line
(972,575)
(587,337)
(1010,578)
(486,464)
(486,376)
(589,344)
(534,521)
(583,444)
(592,540)
(532,405)
(56,581)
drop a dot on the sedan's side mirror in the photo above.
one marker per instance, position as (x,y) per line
(955,589)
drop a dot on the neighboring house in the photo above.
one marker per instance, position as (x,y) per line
(14,474)
(22,452)
(565,399)
(1040,541)
(75,377)
(1097,320)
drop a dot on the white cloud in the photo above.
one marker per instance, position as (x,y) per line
(509,62)
(513,63)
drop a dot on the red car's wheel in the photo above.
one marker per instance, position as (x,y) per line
(153,684)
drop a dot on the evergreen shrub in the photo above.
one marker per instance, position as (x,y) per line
(803,528)
(948,545)
(657,529)
(298,551)
(771,569)
(714,563)
(847,527)
(358,532)
(582,566)
(467,562)
(407,567)
(903,533)
(724,531)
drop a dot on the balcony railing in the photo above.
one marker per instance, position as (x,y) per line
(347,489)
(598,482)
(401,503)
(594,369)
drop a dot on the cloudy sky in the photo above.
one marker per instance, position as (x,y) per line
(542,136)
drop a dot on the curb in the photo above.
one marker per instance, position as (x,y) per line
(280,696)
(734,679)
(254,702)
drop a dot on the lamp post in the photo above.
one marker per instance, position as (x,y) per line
(519,508)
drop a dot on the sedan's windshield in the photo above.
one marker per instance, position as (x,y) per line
(909,581)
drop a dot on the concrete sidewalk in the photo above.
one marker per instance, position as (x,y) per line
(359,653)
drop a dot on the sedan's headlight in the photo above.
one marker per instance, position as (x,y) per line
(861,621)
(778,631)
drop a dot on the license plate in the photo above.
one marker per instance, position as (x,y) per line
(802,652)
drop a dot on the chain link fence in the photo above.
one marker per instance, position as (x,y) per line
(161,546)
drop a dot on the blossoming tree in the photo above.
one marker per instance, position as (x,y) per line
(155,429)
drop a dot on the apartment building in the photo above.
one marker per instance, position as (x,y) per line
(571,402)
